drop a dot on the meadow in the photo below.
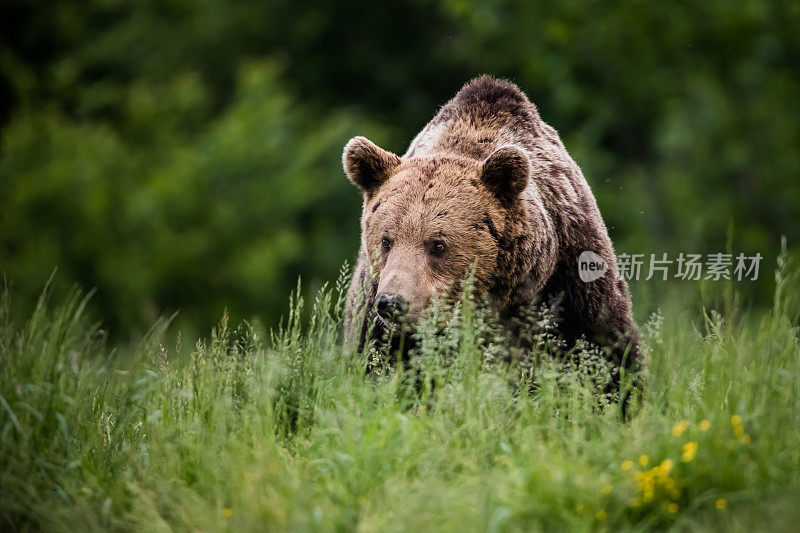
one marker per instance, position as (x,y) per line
(282,430)
(183,159)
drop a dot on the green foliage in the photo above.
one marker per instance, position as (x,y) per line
(249,431)
(225,217)
(185,155)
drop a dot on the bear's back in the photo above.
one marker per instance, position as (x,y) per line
(485,114)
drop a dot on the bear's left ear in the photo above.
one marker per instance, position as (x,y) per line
(367,165)
(505,172)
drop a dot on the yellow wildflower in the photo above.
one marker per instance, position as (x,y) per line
(643,460)
(627,464)
(736,420)
(672,508)
(721,503)
(704,425)
(679,428)
(738,431)
(745,439)
(601,514)
(666,467)
(689,451)
(648,488)
(607,488)
(227,512)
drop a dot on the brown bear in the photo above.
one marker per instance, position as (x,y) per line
(485,183)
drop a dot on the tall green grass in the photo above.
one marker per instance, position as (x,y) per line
(255,430)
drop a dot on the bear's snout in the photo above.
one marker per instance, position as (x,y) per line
(391,307)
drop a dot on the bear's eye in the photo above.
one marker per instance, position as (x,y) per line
(386,244)
(437,247)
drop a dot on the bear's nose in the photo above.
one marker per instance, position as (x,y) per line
(391,307)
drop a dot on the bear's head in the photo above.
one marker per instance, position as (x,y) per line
(427,220)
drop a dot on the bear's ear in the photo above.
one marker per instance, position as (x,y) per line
(367,165)
(505,172)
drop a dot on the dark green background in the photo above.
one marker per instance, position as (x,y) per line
(185,154)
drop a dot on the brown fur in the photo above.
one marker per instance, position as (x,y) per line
(493,183)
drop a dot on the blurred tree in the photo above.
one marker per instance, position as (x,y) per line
(185,155)
(227,217)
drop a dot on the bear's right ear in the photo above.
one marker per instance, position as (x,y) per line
(505,172)
(367,165)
